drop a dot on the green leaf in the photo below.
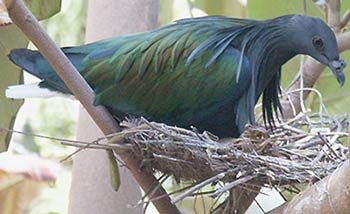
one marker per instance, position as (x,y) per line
(43,9)
(10,37)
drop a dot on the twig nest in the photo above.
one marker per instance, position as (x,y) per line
(266,159)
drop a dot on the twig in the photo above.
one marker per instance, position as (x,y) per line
(74,153)
(322,105)
(326,143)
(176,191)
(259,206)
(233,184)
(150,194)
(103,146)
(166,132)
(39,136)
(345,19)
(76,143)
(161,180)
(171,159)
(196,187)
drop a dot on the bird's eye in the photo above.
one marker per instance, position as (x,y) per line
(318,43)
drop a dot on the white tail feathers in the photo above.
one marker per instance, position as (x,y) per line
(29,91)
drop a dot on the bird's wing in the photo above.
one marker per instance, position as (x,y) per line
(149,74)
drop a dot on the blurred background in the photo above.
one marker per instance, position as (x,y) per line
(57,117)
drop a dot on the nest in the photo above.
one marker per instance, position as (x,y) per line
(300,151)
(288,156)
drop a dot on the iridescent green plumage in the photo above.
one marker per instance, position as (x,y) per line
(207,72)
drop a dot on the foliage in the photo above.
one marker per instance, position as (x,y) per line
(10,37)
(43,9)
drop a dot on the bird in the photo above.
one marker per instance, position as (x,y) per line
(204,72)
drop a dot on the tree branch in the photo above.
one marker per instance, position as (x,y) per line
(24,19)
(333,14)
(330,195)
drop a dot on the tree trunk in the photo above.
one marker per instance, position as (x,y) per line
(91,191)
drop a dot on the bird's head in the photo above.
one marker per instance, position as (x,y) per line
(312,36)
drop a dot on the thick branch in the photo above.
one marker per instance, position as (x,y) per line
(330,195)
(333,15)
(23,18)
(312,71)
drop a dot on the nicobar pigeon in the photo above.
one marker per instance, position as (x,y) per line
(206,72)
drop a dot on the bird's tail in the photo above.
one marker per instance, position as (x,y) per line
(34,63)
(29,91)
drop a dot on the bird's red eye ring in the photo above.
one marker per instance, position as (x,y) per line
(318,43)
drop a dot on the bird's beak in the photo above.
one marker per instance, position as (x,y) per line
(337,67)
